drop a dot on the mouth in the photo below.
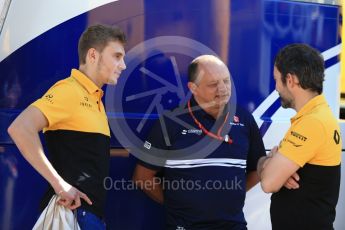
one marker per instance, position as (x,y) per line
(222,96)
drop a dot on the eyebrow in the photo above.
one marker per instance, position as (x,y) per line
(119,53)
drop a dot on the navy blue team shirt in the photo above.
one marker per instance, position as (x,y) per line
(205,185)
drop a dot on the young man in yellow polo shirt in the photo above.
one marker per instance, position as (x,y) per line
(72,117)
(307,160)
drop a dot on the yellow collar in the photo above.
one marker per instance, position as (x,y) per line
(89,85)
(318,100)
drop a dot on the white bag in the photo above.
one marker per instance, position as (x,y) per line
(56,217)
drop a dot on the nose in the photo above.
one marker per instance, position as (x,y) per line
(221,87)
(122,65)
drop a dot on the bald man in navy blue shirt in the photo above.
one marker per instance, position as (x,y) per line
(210,155)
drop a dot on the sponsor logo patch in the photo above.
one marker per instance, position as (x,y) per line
(291,142)
(49,98)
(84,104)
(299,136)
(236,124)
(193,131)
(236,119)
(147,145)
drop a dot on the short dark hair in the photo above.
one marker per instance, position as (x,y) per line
(98,37)
(303,61)
(193,71)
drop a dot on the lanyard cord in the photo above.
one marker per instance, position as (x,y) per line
(227,139)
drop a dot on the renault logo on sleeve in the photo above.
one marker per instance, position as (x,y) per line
(336,137)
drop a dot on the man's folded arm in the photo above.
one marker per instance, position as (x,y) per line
(274,171)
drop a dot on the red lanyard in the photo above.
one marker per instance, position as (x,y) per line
(226,138)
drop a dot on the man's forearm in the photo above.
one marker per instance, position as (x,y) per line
(24,133)
(30,146)
(261,164)
(152,188)
(156,194)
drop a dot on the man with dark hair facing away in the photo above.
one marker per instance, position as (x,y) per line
(307,160)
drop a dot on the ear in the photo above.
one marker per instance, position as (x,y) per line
(192,87)
(293,79)
(92,55)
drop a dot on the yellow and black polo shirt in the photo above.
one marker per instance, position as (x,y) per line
(78,136)
(314,143)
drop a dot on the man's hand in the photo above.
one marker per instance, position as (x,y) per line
(69,196)
(291,183)
(263,161)
(273,151)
